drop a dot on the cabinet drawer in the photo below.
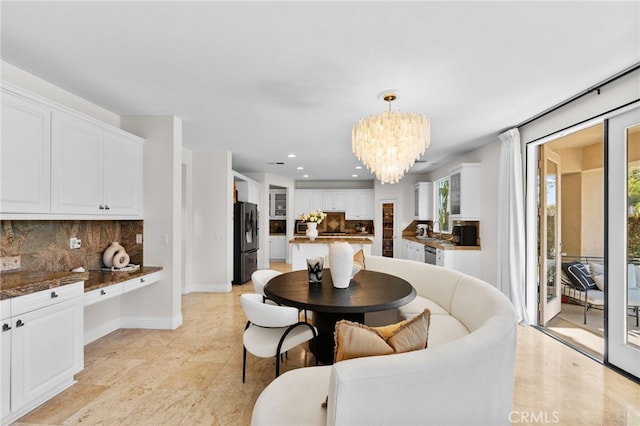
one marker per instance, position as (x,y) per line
(101,294)
(139,282)
(29,302)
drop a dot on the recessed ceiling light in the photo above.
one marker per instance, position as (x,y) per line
(291,156)
(358,167)
(354,175)
(305,175)
(300,168)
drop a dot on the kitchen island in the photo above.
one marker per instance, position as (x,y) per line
(303,247)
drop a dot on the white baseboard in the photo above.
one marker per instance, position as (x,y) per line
(102,330)
(157,323)
(207,288)
(44,397)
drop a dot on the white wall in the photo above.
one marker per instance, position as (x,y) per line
(489,157)
(187,219)
(611,96)
(159,306)
(54,93)
(212,206)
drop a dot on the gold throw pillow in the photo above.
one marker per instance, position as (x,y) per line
(354,340)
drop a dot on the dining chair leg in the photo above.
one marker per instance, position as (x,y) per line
(244,362)
(277,365)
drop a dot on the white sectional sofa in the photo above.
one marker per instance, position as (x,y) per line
(465,376)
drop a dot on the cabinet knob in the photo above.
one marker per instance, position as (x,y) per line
(102,292)
(6,327)
(19,323)
(106,207)
(141,280)
(101,207)
(53,295)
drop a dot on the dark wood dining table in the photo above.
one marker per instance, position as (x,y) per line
(368,291)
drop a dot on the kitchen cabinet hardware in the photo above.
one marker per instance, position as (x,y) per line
(107,207)
(101,207)
(53,295)
(6,327)
(141,280)
(102,292)
(19,324)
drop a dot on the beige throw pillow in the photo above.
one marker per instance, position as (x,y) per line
(354,340)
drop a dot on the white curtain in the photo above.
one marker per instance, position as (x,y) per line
(511,227)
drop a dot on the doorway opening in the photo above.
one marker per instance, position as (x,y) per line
(571,244)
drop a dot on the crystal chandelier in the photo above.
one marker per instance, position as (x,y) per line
(390,143)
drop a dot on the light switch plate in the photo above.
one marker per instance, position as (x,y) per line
(138,238)
(75,243)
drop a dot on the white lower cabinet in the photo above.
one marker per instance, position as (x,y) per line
(42,348)
(413,250)
(465,261)
(277,247)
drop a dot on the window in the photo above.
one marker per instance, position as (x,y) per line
(442,205)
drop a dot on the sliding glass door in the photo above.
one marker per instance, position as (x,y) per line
(623,222)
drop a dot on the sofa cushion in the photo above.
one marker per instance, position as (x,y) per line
(355,340)
(579,276)
(599,280)
(445,328)
(419,304)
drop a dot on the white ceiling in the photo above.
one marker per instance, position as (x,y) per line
(264,79)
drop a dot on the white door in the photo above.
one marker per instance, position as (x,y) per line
(623,333)
(549,235)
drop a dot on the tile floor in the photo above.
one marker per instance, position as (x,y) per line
(193,376)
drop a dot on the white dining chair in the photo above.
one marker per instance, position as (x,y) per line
(260,278)
(271,330)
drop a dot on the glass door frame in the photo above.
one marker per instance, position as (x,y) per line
(531,150)
(549,307)
(618,351)
(532,159)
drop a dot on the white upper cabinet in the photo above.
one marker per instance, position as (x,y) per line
(123,175)
(423,201)
(307,200)
(359,205)
(60,164)
(248,192)
(278,204)
(25,155)
(77,172)
(334,201)
(465,192)
(94,171)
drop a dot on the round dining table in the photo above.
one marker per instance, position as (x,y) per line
(368,291)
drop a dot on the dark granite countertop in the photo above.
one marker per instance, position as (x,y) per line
(444,245)
(20,283)
(100,279)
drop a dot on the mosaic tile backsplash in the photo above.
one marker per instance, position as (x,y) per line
(43,245)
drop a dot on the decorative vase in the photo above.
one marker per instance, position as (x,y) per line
(340,264)
(314,267)
(120,259)
(312,230)
(107,255)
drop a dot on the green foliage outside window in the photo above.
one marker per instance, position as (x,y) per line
(443,204)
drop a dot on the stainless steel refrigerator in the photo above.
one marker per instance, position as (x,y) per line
(245,241)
